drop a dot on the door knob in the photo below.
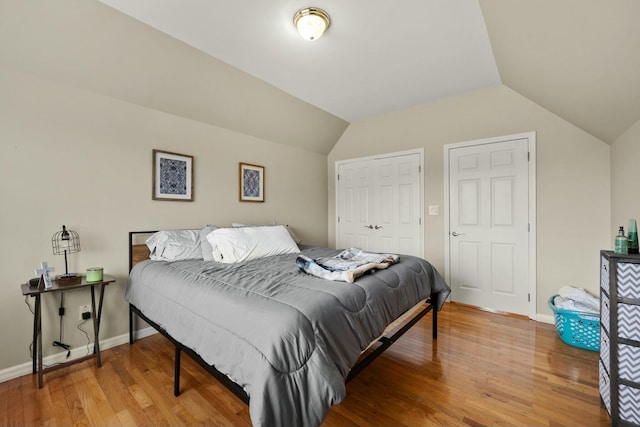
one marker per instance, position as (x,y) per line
(456,234)
(369,226)
(377,227)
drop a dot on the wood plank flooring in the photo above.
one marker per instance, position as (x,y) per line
(485,369)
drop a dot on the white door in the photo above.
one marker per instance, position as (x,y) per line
(489,222)
(379,204)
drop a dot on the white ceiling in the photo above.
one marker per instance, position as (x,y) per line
(577,58)
(373,59)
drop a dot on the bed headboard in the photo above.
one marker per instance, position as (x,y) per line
(137,251)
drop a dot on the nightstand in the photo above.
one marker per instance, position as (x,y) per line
(59,286)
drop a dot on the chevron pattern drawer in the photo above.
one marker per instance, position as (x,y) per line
(604,274)
(628,280)
(628,402)
(629,321)
(629,362)
(604,348)
(605,387)
(604,311)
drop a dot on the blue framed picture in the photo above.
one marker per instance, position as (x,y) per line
(251,183)
(172,176)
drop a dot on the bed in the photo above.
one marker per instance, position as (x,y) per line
(283,341)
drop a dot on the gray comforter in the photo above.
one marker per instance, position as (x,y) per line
(288,338)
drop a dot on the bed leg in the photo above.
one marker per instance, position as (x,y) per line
(130,325)
(176,374)
(434,312)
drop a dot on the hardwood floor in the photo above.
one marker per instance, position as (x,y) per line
(485,369)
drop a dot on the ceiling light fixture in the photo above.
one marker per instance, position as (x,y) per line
(311,22)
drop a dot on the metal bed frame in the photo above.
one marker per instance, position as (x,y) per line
(384,341)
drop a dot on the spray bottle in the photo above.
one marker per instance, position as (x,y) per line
(622,243)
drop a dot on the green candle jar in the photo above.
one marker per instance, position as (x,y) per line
(94,274)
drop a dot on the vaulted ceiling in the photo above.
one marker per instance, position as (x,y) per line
(577,58)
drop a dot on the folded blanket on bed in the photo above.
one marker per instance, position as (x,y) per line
(347,266)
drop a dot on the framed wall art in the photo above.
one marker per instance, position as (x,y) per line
(172,176)
(251,183)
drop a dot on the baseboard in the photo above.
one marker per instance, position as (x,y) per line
(144,332)
(546,318)
(26,368)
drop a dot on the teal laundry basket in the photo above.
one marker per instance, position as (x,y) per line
(577,328)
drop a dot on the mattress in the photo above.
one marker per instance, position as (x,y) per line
(288,338)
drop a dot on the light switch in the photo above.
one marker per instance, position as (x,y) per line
(434,210)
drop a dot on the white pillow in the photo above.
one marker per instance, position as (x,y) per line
(246,243)
(207,250)
(293,235)
(175,245)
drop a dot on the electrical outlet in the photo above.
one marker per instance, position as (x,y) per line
(84,309)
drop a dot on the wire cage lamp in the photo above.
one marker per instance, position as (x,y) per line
(65,242)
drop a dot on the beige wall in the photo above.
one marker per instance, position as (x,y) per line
(625,176)
(73,157)
(86,94)
(573,188)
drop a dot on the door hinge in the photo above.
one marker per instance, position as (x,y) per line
(419,168)
(338,218)
(528,156)
(529,228)
(338,177)
(528,297)
(419,221)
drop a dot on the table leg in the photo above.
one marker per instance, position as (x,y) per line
(100,306)
(34,355)
(38,343)
(96,327)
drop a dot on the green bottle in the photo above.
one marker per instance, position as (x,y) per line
(622,243)
(633,237)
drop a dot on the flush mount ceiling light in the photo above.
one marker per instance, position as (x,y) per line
(311,22)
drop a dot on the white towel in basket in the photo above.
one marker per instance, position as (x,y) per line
(571,298)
